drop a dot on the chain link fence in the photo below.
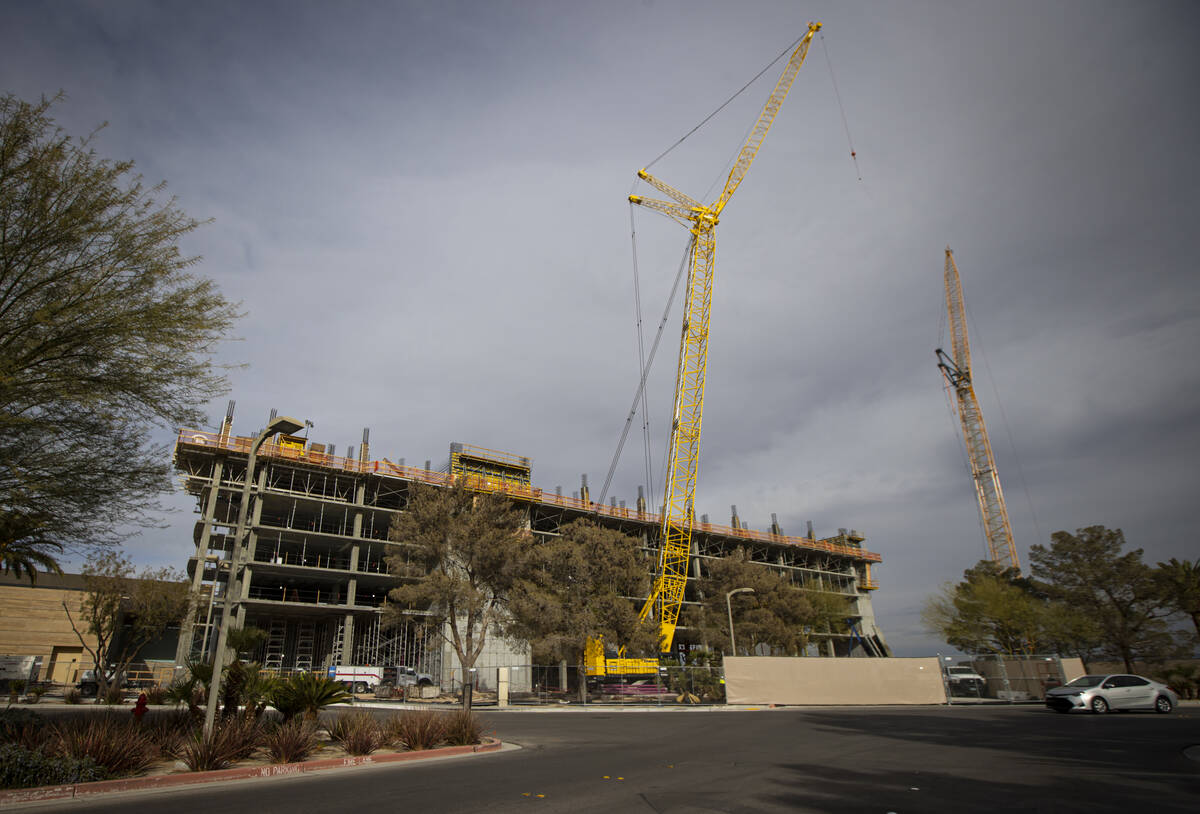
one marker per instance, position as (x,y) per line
(1005,679)
(539,684)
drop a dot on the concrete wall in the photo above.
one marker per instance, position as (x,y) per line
(775,680)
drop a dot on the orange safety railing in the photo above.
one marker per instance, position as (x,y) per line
(515,491)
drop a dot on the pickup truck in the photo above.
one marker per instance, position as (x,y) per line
(963,680)
(89,687)
(365,678)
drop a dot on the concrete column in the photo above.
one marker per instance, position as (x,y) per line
(251,546)
(562,675)
(501,687)
(347,654)
(183,649)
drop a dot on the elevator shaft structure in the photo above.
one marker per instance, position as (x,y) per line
(957,370)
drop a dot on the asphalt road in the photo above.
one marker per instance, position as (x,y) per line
(911,759)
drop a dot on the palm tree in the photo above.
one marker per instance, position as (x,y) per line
(23,549)
(1181,585)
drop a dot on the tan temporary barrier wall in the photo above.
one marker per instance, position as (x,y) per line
(774,680)
(1072,669)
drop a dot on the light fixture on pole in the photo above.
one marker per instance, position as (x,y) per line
(729,607)
(233,584)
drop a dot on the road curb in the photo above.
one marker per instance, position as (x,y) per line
(239,773)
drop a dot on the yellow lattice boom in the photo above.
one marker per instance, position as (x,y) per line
(666,595)
(957,371)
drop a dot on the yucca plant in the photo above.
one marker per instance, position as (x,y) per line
(168,730)
(156,695)
(232,739)
(291,741)
(357,732)
(24,728)
(414,731)
(306,693)
(462,728)
(113,742)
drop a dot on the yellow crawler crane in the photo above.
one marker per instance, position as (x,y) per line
(680,491)
(957,371)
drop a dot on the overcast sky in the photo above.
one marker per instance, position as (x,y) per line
(422,208)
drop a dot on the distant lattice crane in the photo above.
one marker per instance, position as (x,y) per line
(678,516)
(957,370)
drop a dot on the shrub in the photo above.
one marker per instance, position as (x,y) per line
(156,695)
(15,688)
(117,744)
(72,696)
(36,692)
(462,728)
(357,732)
(232,739)
(113,695)
(414,731)
(24,728)
(22,768)
(306,693)
(291,741)
(168,731)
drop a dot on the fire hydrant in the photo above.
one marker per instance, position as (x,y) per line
(139,709)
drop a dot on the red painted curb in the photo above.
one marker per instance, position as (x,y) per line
(238,773)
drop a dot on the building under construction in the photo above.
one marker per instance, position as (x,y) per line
(315,576)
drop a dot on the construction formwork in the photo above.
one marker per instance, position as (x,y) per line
(316,577)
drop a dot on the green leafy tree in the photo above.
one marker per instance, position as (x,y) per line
(460,555)
(780,615)
(991,611)
(124,611)
(584,584)
(1180,583)
(1089,572)
(104,334)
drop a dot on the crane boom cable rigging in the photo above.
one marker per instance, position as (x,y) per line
(666,595)
(726,103)
(639,394)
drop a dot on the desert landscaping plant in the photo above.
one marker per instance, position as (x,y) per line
(156,695)
(72,696)
(356,732)
(462,728)
(115,742)
(291,741)
(415,731)
(233,739)
(22,768)
(307,694)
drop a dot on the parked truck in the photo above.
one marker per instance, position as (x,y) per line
(358,678)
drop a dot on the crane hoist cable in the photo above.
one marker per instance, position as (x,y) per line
(640,393)
(666,595)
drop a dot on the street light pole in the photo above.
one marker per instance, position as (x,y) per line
(729,608)
(233,580)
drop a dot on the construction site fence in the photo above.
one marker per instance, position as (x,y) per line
(536,684)
(386,468)
(1005,678)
